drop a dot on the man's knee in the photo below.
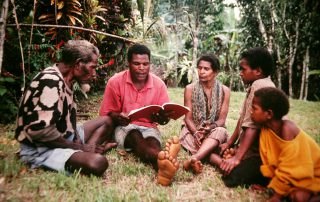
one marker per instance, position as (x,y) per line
(108,120)
(97,164)
(133,139)
(135,133)
(107,123)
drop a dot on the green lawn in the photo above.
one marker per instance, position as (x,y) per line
(127,179)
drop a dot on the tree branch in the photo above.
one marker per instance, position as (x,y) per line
(284,24)
(261,25)
(20,44)
(77,28)
(297,37)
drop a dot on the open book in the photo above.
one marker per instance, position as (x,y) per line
(146,112)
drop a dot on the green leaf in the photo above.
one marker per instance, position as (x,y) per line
(7,79)
(2,91)
(314,72)
(141,8)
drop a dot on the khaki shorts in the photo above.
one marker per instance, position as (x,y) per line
(121,133)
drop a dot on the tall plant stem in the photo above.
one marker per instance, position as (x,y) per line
(3,20)
(20,44)
(31,34)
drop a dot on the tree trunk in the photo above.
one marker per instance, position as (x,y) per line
(3,21)
(293,44)
(268,38)
(262,28)
(272,34)
(279,67)
(304,79)
(195,41)
(290,63)
(194,31)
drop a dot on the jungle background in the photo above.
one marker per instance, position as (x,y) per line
(33,32)
(177,31)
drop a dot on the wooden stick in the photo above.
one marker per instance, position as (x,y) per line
(74,27)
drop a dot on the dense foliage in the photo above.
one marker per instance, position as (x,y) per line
(289,29)
(41,45)
(177,32)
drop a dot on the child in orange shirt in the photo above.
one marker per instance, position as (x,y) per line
(290,157)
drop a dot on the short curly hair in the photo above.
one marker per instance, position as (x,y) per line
(259,57)
(273,99)
(138,49)
(212,59)
(78,49)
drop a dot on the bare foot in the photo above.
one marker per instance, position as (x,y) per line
(194,165)
(168,167)
(173,146)
(229,153)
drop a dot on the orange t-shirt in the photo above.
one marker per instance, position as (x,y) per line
(290,164)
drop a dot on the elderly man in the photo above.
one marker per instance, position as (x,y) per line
(46,127)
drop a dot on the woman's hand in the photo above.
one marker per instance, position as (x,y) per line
(199,137)
(207,126)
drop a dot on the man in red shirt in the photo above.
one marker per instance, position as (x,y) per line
(132,89)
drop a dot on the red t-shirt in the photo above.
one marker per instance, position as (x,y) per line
(121,95)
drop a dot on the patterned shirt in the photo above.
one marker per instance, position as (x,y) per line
(47,109)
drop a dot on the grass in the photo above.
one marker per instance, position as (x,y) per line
(127,179)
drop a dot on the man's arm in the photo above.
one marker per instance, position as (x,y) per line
(249,136)
(60,142)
